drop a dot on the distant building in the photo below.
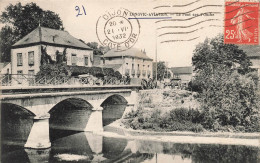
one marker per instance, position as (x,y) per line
(132,62)
(183,73)
(253,53)
(26,54)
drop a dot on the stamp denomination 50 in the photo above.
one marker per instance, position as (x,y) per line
(116,30)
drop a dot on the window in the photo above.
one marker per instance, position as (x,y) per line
(31,58)
(19,59)
(132,59)
(132,66)
(31,73)
(19,72)
(19,76)
(86,60)
(73,59)
(138,66)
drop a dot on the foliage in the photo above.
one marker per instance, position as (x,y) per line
(228,90)
(20,20)
(194,86)
(95,71)
(214,53)
(161,71)
(176,120)
(98,50)
(54,70)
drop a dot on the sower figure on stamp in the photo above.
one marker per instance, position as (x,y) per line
(239,19)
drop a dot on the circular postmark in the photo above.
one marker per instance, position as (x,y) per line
(118,29)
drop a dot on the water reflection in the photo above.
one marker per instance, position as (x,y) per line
(88,147)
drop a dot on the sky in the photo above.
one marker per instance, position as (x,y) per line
(172,48)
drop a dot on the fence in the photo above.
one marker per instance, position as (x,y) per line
(32,80)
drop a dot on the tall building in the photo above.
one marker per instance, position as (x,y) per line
(132,62)
(27,53)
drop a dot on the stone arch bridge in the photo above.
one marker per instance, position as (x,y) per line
(28,113)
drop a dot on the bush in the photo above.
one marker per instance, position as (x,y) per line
(177,120)
(230,99)
(183,114)
(55,70)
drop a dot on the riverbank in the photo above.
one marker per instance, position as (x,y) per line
(117,130)
(166,110)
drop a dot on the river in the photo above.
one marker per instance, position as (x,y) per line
(68,146)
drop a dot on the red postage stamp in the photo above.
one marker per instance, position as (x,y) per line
(241,22)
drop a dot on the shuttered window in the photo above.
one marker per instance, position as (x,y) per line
(74,59)
(19,59)
(31,58)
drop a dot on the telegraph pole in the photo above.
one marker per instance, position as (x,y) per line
(156,56)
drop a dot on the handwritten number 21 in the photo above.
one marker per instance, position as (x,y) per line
(78,9)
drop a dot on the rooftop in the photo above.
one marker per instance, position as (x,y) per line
(182,70)
(132,52)
(50,36)
(251,50)
(3,64)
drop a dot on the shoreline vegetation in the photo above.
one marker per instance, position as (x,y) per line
(223,95)
(168,110)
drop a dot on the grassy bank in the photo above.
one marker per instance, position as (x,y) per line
(174,110)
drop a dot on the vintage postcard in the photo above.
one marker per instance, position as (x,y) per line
(151,81)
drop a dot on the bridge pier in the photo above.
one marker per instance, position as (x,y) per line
(39,137)
(38,155)
(132,103)
(95,123)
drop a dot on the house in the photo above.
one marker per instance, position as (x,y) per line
(253,53)
(45,45)
(183,73)
(132,62)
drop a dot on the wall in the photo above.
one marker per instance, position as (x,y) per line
(255,62)
(25,66)
(127,64)
(51,50)
(185,78)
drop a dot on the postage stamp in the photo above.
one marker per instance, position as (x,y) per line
(241,22)
(117,29)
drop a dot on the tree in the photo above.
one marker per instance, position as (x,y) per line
(161,71)
(20,20)
(228,92)
(214,53)
(98,50)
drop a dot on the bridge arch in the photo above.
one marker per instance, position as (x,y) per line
(113,108)
(16,123)
(70,114)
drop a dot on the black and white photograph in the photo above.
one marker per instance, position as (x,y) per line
(128,81)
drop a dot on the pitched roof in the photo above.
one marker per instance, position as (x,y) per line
(251,50)
(3,64)
(182,70)
(50,36)
(132,52)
